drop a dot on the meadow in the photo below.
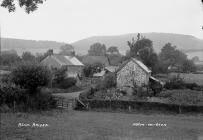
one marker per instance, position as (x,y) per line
(79,125)
(190,77)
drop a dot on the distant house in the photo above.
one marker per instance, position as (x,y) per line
(95,59)
(132,71)
(106,70)
(71,63)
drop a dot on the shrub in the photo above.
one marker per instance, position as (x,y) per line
(5,78)
(30,75)
(108,82)
(10,93)
(89,70)
(175,83)
(67,83)
(43,100)
(59,75)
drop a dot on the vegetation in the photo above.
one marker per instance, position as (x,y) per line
(22,90)
(183,96)
(97,49)
(9,59)
(113,50)
(89,70)
(27,56)
(61,80)
(67,49)
(31,75)
(30,5)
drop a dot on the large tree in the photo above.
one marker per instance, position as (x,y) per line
(97,49)
(169,55)
(29,5)
(142,48)
(27,56)
(67,49)
(113,50)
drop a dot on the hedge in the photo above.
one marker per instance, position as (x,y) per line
(141,106)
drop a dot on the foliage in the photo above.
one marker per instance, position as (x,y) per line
(113,50)
(143,48)
(97,49)
(109,81)
(188,66)
(67,49)
(170,56)
(184,96)
(114,59)
(67,83)
(5,78)
(9,59)
(175,83)
(10,93)
(30,75)
(21,99)
(30,5)
(27,56)
(89,70)
(59,75)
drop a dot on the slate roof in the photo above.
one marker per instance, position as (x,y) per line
(111,68)
(67,60)
(138,62)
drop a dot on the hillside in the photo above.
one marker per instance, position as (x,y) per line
(33,46)
(185,43)
(189,44)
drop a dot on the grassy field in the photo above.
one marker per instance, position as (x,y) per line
(191,78)
(78,125)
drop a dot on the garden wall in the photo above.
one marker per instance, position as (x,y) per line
(140,106)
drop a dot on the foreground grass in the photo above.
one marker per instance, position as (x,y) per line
(78,125)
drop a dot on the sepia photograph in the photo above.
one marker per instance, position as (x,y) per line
(101,69)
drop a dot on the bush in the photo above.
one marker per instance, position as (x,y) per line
(59,75)
(41,101)
(89,70)
(30,75)
(108,82)
(13,96)
(5,78)
(175,83)
(10,93)
(66,83)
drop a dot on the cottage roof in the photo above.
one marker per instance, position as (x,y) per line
(138,62)
(67,60)
(95,59)
(111,68)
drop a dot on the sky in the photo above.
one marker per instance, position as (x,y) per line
(73,20)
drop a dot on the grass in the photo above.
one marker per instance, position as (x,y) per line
(187,77)
(183,96)
(78,125)
(191,78)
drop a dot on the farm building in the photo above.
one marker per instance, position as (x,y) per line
(71,63)
(132,71)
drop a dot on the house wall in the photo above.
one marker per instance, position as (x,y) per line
(72,71)
(128,72)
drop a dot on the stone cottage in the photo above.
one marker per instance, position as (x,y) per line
(71,63)
(132,71)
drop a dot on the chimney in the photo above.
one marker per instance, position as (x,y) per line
(50,52)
